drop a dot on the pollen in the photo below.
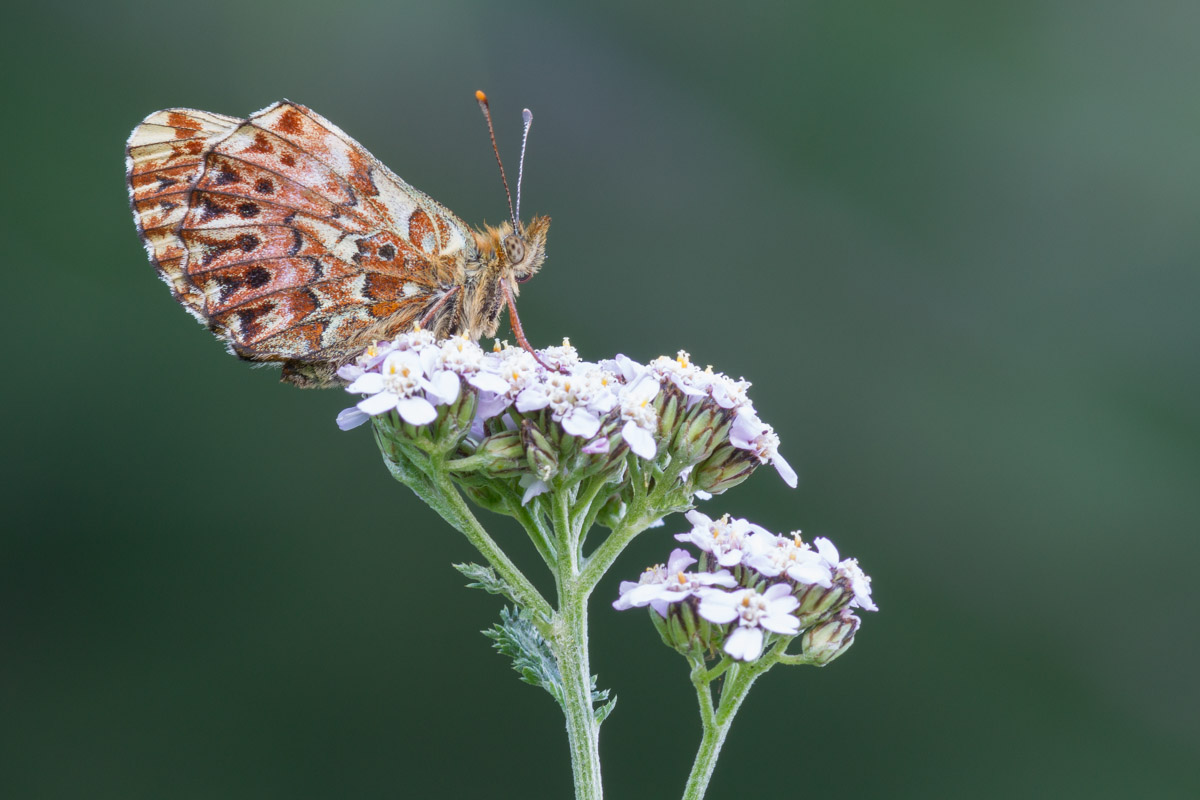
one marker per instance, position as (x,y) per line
(746,601)
(684,358)
(679,577)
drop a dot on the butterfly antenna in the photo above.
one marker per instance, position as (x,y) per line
(527,120)
(487,114)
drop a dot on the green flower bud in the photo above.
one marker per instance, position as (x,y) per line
(696,434)
(830,639)
(818,603)
(502,454)
(541,453)
(724,469)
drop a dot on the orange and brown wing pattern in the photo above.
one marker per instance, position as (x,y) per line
(284,235)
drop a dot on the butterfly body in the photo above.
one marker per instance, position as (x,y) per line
(297,247)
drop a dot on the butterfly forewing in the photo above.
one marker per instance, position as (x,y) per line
(285,235)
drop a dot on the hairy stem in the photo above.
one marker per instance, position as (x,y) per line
(452,508)
(736,685)
(583,732)
(571,649)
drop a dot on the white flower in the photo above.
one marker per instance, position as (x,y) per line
(680,370)
(398,385)
(754,612)
(748,432)
(506,373)
(417,339)
(774,555)
(577,400)
(624,367)
(727,539)
(660,586)
(860,582)
(641,420)
(563,357)
(726,392)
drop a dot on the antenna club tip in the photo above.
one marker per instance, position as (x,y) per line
(480,96)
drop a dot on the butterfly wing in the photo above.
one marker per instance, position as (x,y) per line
(285,236)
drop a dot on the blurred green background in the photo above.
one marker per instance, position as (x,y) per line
(953,245)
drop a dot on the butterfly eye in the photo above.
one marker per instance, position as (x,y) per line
(514,248)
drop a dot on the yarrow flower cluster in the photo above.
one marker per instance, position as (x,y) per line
(564,445)
(617,405)
(768,585)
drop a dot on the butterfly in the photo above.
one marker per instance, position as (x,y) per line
(297,247)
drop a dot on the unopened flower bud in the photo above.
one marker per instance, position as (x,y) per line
(830,639)
(724,469)
(542,455)
(818,603)
(668,404)
(696,433)
(503,453)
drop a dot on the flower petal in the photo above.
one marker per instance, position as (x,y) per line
(784,624)
(596,446)
(532,490)
(785,470)
(416,410)
(717,606)
(745,644)
(488,382)
(640,441)
(378,403)
(351,417)
(369,383)
(581,422)
(443,386)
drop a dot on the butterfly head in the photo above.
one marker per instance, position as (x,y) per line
(525,251)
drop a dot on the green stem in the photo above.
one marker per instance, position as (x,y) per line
(583,733)
(737,683)
(454,510)
(571,649)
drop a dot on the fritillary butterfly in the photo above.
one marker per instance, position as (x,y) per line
(296,246)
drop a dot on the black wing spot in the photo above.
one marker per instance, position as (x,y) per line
(297,242)
(228,286)
(226,176)
(258,277)
(210,210)
(248,210)
(387,252)
(264,186)
(248,241)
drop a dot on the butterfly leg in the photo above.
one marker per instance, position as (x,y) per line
(520,334)
(431,313)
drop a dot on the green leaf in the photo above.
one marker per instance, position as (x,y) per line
(485,578)
(516,637)
(602,712)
